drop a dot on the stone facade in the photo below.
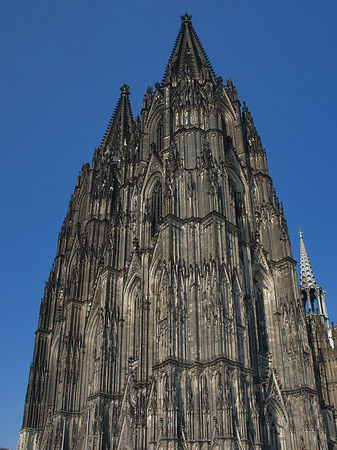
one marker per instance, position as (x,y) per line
(172,317)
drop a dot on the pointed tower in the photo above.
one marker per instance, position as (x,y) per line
(120,126)
(310,291)
(188,58)
(172,317)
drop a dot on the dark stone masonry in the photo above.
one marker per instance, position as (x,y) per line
(172,317)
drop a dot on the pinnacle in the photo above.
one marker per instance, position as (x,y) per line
(121,120)
(247,116)
(307,279)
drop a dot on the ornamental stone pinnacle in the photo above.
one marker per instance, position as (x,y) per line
(172,316)
(307,279)
(312,294)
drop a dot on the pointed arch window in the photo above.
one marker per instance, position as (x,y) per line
(275,430)
(260,318)
(236,198)
(274,436)
(232,202)
(160,135)
(237,302)
(155,206)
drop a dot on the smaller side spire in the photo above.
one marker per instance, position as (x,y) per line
(121,123)
(307,279)
(308,286)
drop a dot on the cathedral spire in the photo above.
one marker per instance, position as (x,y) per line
(188,58)
(307,278)
(158,325)
(310,290)
(119,129)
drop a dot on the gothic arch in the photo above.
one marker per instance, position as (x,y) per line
(132,300)
(237,198)
(161,294)
(313,300)
(153,202)
(154,280)
(264,299)
(262,335)
(131,283)
(53,369)
(72,271)
(152,180)
(237,293)
(82,203)
(92,355)
(156,112)
(154,117)
(154,276)
(157,136)
(153,172)
(95,319)
(237,180)
(276,425)
(228,122)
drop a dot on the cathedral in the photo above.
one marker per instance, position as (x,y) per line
(172,318)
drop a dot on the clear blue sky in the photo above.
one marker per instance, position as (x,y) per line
(61,67)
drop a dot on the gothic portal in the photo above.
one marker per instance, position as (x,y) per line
(172,317)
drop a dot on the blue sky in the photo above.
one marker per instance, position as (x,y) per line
(62,64)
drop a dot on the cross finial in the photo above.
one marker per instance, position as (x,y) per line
(186,18)
(300,233)
(125,89)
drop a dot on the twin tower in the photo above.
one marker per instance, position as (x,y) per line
(172,318)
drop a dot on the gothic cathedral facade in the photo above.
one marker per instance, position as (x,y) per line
(172,317)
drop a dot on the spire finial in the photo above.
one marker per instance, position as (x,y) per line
(125,89)
(300,233)
(186,18)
